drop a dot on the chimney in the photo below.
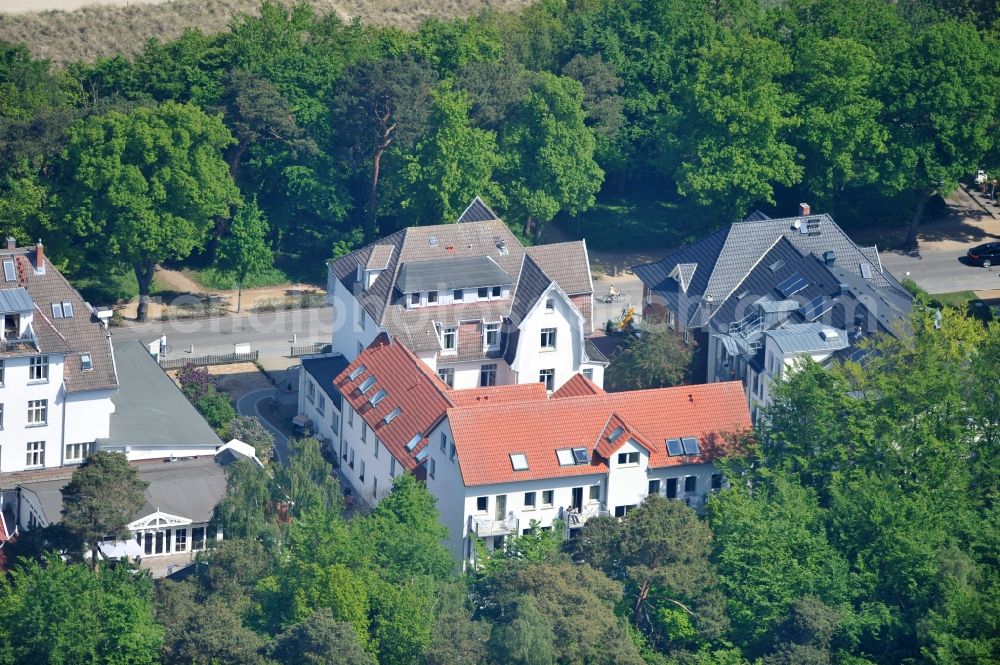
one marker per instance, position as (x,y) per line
(39,258)
(11,242)
(804,210)
(829,257)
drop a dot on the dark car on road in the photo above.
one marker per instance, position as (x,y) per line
(986,255)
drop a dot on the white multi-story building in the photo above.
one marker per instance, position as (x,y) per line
(501,457)
(471,302)
(57,374)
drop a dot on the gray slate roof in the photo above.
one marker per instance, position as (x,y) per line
(807,338)
(477,212)
(728,256)
(150,410)
(81,333)
(446,243)
(447,274)
(185,488)
(324,370)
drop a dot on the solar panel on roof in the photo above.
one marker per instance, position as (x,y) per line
(691,446)
(815,308)
(674,447)
(858,354)
(580,455)
(792,285)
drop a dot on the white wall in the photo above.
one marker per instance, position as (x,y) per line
(15,394)
(370,454)
(88,416)
(137,453)
(351,324)
(627,483)
(568,353)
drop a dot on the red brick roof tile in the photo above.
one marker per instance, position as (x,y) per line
(485,436)
(521,392)
(578,386)
(409,385)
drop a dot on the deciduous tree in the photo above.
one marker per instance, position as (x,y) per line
(657,359)
(243,250)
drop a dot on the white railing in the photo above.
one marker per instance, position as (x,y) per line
(486,526)
(577,518)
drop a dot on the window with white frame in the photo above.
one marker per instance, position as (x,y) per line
(671,488)
(77,452)
(198,538)
(548,377)
(350,416)
(458,295)
(548,496)
(180,540)
(548,338)
(414,299)
(36,453)
(497,291)
(550,304)
(626,459)
(491,335)
(482,504)
(691,484)
(432,468)
(376,448)
(595,492)
(529,500)
(38,411)
(1,416)
(449,337)
(350,462)
(447,374)
(654,487)
(432,297)
(488,375)
(364,432)
(311,392)
(483,293)
(444,442)
(335,421)
(451,452)
(321,405)
(622,511)
(361,476)
(38,369)
(392,467)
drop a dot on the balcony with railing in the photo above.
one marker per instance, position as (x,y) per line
(576,518)
(488,526)
(26,343)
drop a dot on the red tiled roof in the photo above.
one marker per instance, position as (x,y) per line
(578,386)
(485,436)
(521,392)
(410,386)
(611,439)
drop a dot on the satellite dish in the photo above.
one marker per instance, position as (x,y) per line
(797,224)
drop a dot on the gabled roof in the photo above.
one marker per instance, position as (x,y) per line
(577,386)
(727,256)
(75,335)
(457,273)
(379,257)
(485,436)
(477,212)
(419,395)
(442,250)
(615,435)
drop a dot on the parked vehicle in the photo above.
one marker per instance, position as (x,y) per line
(985,255)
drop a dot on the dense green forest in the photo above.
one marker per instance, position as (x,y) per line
(861,526)
(638,122)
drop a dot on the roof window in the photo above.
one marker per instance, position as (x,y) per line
(367,384)
(67,308)
(412,443)
(674,447)
(519,461)
(379,396)
(615,434)
(57,311)
(580,456)
(9,273)
(392,415)
(86,362)
(565,457)
(691,446)
(356,372)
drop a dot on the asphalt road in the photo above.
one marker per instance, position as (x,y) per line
(270,333)
(942,271)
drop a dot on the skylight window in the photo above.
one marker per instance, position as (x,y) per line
(691,446)
(565,457)
(674,447)
(580,456)
(392,415)
(378,397)
(9,273)
(86,362)
(356,372)
(519,461)
(776,266)
(614,435)
(367,384)
(57,311)
(412,443)
(422,455)
(866,270)
(67,308)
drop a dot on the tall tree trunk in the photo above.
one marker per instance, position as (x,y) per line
(144,275)
(529,224)
(923,196)
(94,565)
(371,214)
(539,226)
(239,295)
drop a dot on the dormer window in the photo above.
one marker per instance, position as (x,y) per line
(449,336)
(458,295)
(414,299)
(497,291)
(491,335)
(484,293)
(86,362)
(432,297)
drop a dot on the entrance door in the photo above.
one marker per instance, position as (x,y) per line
(159,542)
(578,499)
(501,507)
(149,543)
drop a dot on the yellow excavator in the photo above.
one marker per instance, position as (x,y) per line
(626,318)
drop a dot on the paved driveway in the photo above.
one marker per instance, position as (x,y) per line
(249,405)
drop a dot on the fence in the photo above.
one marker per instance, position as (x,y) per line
(318,347)
(215,359)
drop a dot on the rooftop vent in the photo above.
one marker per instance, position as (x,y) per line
(86,362)
(812,226)
(501,246)
(776,266)
(829,334)
(829,257)
(866,270)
